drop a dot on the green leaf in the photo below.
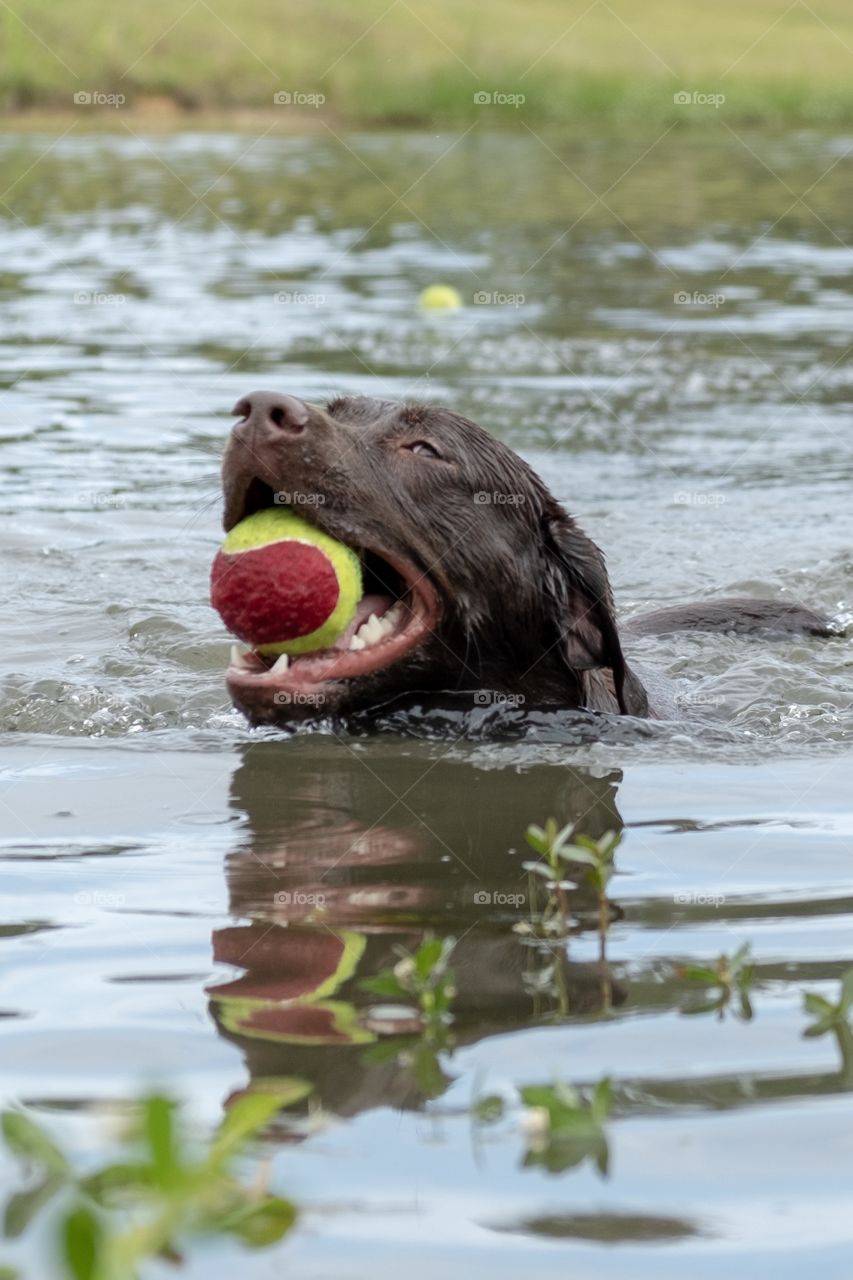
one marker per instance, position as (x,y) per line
(561,1154)
(846,1001)
(562,1103)
(158,1130)
(744,978)
(262,1224)
(441,1002)
(537,840)
(610,842)
(384,984)
(21,1208)
(82,1238)
(426,1069)
(604,874)
(561,836)
(602,1097)
(115,1183)
(541,869)
(819,1028)
(578,1125)
(489,1110)
(576,854)
(427,956)
(537,1095)
(696,973)
(28,1141)
(817,1005)
(243,1120)
(706,1006)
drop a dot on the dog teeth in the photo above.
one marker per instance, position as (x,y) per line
(240,657)
(374,630)
(280,665)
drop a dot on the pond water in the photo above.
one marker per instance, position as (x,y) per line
(661,326)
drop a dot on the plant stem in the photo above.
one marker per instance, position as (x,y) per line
(603,926)
(563,904)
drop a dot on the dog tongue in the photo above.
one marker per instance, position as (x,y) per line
(367,605)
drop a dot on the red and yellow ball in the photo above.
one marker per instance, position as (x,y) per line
(283,586)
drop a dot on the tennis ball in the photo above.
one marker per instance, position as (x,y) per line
(283,585)
(440,297)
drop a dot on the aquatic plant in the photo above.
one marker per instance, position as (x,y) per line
(562,1126)
(730,976)
(549,842)
(423,976)
(834,1018)
(829,1016)
(561,847)
(162,1193)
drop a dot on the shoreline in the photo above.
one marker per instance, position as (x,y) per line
(263,120)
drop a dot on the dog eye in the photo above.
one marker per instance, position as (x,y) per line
(424,448)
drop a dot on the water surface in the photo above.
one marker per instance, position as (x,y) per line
(665,337)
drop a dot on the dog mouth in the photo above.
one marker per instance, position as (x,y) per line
(398,611)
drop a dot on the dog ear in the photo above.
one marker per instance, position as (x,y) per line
(578,586)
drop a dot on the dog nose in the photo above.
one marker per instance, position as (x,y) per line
(270,409)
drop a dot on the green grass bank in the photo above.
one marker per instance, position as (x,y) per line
(411,62)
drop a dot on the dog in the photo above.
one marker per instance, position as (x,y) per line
(479,577)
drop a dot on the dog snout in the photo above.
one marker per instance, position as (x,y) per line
(280,442)
(271,413)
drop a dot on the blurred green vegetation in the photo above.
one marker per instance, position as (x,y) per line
(161,1195)
(415,61)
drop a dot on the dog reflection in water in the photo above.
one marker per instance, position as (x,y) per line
(336,875)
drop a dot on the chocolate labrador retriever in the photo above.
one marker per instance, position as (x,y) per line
(475,577)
